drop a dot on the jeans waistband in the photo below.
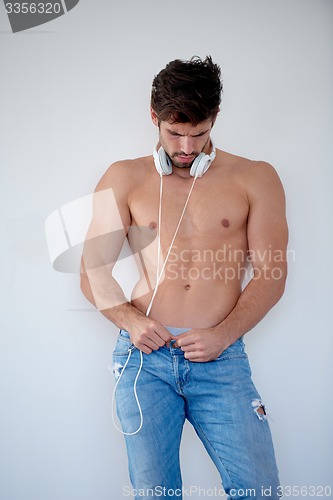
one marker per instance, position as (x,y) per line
(175,330)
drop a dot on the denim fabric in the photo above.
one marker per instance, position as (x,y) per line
(217,397)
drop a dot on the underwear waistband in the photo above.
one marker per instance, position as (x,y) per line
(174,330)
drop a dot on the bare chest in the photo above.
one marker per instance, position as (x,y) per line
(217,210)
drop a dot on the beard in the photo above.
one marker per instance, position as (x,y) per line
(179,158)
(183,161)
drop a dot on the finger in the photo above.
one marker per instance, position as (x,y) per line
(185,341)
(146,349)
(163,333)
(189,348)
(154,337)
(151,342)
(185,334)
(186,337)
(194,356)
(145,345)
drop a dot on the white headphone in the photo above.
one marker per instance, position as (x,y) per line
(200,165)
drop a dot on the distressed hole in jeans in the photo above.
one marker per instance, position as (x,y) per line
(259,409)
(117,368)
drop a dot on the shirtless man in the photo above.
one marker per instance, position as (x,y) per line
(190,344)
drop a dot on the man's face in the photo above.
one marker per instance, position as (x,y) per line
(183,142)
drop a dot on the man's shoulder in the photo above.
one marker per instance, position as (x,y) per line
(128,167)
(124,172)
(252,177)
(243,165)
(245,169)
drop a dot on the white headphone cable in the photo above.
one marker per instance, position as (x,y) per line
(158,278)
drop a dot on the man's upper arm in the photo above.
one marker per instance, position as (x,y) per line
(267,226)
(110,221)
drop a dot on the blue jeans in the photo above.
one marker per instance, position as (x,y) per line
(218,398)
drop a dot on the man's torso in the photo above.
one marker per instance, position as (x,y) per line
(203,275)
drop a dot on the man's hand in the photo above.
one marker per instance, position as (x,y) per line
(201,344)
(148,335)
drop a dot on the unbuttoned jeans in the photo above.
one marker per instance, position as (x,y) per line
(218,398)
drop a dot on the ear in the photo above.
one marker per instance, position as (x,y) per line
(154,117)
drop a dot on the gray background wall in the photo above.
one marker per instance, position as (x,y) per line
(74,98)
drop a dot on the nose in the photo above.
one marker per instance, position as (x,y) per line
(187,145)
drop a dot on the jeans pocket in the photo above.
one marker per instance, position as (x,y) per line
(235,350)
(123,344)
(234,355)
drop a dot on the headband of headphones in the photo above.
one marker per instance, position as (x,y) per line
(199,166)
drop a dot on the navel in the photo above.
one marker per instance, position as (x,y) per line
(225,223)
(187,287)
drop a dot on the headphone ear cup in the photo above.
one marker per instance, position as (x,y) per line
(196,166)
(200,165)
(162,162)
(165,162)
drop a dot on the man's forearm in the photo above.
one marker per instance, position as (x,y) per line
(113,305)
(259,296)
(123,315)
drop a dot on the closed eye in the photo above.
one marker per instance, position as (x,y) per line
(176,134)
(201,134)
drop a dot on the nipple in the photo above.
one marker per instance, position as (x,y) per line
(225,223)
(152,225)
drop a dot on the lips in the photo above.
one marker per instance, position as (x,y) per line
(185,159)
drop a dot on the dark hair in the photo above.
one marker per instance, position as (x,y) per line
(187,91)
